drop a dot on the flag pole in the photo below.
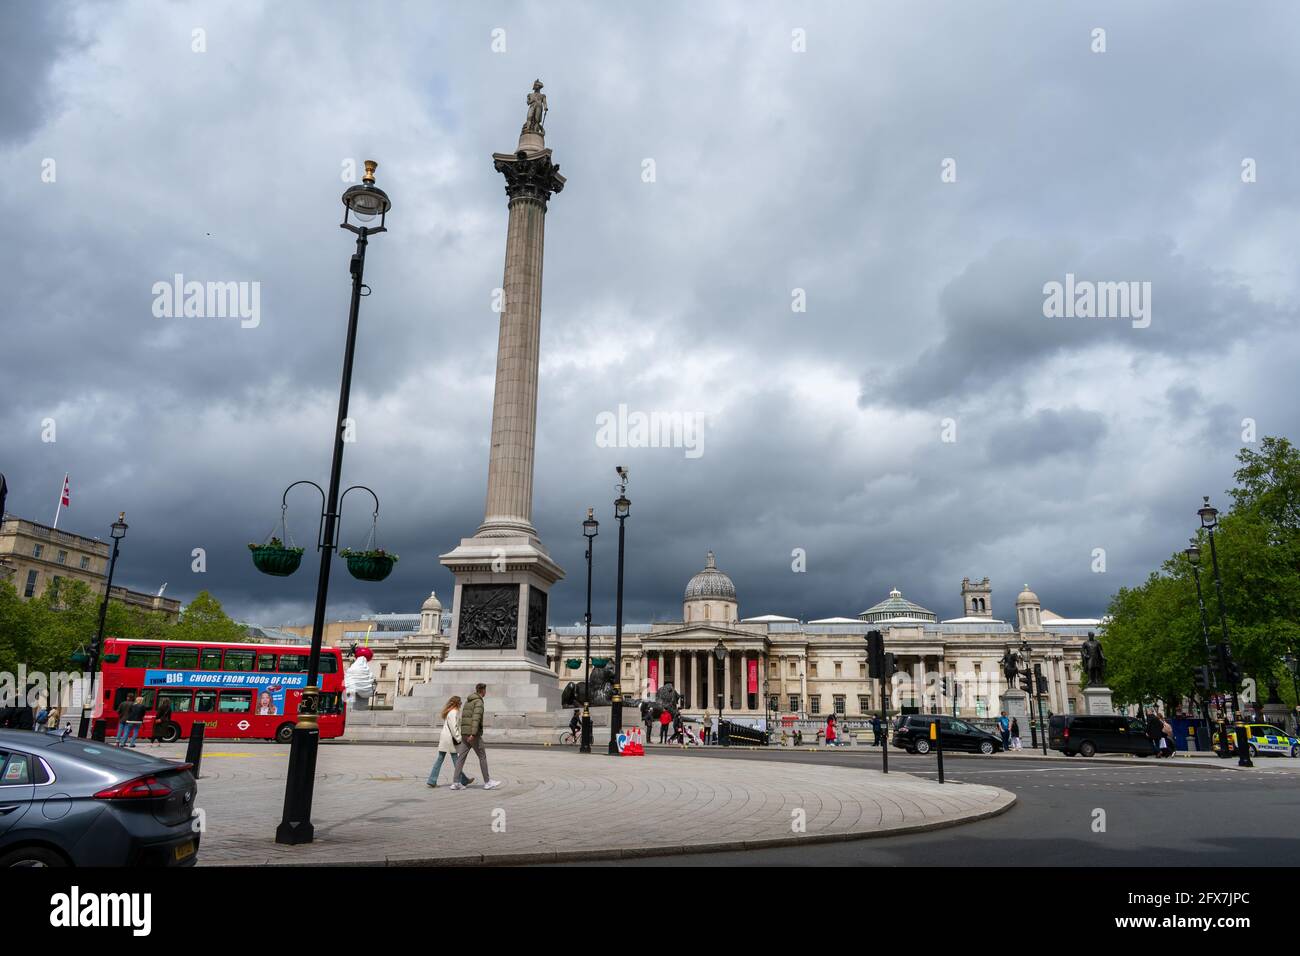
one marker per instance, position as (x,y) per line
(62,492)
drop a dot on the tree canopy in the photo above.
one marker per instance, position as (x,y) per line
(44,632)
(1153,632)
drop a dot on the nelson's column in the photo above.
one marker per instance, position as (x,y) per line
(503,573)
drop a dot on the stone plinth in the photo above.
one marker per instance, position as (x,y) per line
(1097,702)
(1016,704)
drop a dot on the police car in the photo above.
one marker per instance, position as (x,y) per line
(1265,739)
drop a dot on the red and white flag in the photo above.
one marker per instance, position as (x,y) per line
(65,499)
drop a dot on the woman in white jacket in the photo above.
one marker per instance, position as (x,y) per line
(447,742)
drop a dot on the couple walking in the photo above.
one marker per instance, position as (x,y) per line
(462,731)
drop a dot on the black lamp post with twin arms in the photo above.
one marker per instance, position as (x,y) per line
(362,202)
(1209,521)
(590,527)
(720,655)
(118,531)
(622,507)
(1210,674)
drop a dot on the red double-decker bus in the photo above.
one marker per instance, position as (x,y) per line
(235,690)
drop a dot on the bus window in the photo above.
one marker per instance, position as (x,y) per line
(238,661)
(143,656)
(121,694)
(179,699)
(266,662)
(293,663)
(331,703)
(211,660)
(205,701)
(329,664)
(181,657)
(148,696)
(236,701)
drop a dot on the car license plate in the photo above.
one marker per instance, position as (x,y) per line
(185,850)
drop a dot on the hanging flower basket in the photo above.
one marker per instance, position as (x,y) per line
(599,661)
(573,663)
(276,559)
(369,565)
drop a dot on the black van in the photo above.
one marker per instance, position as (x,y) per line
(1078,734)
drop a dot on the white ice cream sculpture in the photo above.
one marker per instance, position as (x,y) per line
(358,681)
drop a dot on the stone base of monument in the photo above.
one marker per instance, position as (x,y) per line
(1016,705)
(1097,702)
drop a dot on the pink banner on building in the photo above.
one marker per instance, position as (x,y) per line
(654,676)
(752,664)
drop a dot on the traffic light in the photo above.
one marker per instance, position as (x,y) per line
(1040,680)
(1232,671)
(1201,675)
(889,666)
(875,654)
(1216,659)
(1027,683)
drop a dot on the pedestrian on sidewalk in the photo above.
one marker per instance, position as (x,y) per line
(875,730)
(448,740)
(1015,734)
(665,719)
(161,718)
(1166,738)
(831,739)
(1004,728)
(471,729)
(1155,731)
(134,721)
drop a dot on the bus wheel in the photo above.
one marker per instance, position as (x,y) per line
(284,733)
(170,733)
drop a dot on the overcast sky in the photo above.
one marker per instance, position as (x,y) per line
(775,169)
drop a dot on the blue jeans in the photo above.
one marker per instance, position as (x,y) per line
(437,766)
(126,732)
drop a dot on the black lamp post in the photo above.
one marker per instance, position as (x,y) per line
(1193,554)
(363,202)
(622,507)
(1293,665)
(589,529)
(118,531)
(720,656)
(1210,521)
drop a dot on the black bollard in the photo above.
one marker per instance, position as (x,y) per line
(194,752)
(98,730)
(937,736)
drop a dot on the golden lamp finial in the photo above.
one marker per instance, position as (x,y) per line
(369,177)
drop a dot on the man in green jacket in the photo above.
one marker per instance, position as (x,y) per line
(471,737)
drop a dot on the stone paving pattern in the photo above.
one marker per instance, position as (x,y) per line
(372,805)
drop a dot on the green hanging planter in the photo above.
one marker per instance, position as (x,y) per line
(275,559)
(573,663)
(369,565)
(599,661)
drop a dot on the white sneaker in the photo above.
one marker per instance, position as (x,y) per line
(491,784)
(458,786)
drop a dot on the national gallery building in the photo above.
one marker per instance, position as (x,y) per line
(773,664)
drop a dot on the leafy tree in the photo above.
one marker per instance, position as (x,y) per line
(204,620)
(1154,636)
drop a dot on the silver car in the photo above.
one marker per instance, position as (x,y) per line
(71,802)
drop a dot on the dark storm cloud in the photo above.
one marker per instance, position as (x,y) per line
(774,171)
(33,38)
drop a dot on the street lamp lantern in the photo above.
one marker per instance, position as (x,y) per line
(720,652)
(1209,515)
(1193,553)
(365,201)
(118,528)
(622,507)
(591,526)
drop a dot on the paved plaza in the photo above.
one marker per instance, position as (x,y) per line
(372,806)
